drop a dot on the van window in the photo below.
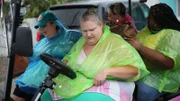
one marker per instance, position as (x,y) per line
(145,9)
(70,17)
(139,16)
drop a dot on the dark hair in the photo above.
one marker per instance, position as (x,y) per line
(120,8)
(164,16)
(111,7)
(91,14)
(57,28)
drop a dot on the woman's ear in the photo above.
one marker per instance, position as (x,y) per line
(54,25)
(101,23)
(158,27)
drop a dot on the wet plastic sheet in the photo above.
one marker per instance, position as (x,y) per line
(167,42)
(110,51)
(56,46)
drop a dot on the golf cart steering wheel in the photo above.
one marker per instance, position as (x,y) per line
(57,66)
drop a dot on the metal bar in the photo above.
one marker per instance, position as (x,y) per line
(129,3)
(16,12)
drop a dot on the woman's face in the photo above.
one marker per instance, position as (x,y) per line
(48,30)
(111,16)
(152,25)
(115,18)
(91,31)
(151,22)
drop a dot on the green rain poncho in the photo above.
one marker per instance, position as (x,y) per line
(110,51)
(167,42)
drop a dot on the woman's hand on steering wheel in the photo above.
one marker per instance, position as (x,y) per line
(100,78)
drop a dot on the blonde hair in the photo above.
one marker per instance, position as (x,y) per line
(91,14)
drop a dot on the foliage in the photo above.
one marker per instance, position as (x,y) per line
(6,8)
(36,7)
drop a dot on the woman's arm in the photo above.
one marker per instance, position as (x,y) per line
(154,57)
(125,72)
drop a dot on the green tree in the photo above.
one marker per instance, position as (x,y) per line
(6,9)
(36,7)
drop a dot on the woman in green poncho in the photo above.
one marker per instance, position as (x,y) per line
(159,46)
(105,65)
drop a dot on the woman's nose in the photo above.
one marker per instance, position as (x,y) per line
(88,33)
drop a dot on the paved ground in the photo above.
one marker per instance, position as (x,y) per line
(3,67)
(13,86)
(20,66)
(3,70)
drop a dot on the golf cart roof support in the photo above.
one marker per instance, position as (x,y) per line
(15,23)
(129,4)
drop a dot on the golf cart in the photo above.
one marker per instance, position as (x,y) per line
(21,44)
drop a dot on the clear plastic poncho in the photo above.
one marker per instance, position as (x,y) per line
(167,42)
(56,46)
(110,51)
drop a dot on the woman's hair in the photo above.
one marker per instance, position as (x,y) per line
(111,7)
(164,16)
(57,28)
(91,14)
(120,9)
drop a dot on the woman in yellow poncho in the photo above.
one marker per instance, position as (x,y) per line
(159,46)
(105,65)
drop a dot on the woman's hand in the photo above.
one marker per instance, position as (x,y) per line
(135,43)
(100,78)
(123,73)
(65,61)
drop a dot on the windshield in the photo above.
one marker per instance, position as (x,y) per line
(70,15)
(70,18)
(5,37)
(3,55)
(145,9)
(139,14)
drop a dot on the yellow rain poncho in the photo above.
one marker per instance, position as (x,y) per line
(110,51)
(167,42)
